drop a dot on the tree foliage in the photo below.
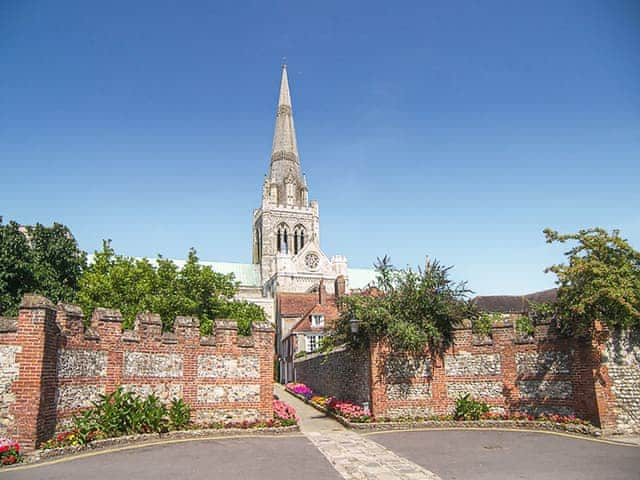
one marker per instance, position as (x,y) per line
(136,285)
(38,259)
(409,308)
(601,281)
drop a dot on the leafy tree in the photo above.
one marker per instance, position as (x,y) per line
(38,259)
(244,313)
(411,308)
(136,285)
(601,281)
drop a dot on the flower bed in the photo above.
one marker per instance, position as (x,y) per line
(353,416)
(284,416)
(9,452)
(300,389)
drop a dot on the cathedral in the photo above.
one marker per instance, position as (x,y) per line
(289,272)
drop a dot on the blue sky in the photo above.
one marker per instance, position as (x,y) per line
(454,129)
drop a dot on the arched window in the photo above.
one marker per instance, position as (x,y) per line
(282,238)
(259,243)
(298,235)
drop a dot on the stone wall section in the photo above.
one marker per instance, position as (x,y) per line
(541,363)
(82,363)
(504,370)
(9,370)
(53,367)
(622,359)
(227,366)
(161,365)
(342,373)
(77,397)
(466,364)
(479,390)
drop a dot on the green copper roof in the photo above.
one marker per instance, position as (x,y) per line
(248,274)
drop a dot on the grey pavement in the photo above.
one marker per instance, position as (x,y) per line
(499,455)
(265,458)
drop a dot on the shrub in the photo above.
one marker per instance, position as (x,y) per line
(483,323)
(467,408)
(348,410)
(318,400)
(411,309)
(524,326)
(179,414)
(9,452)
(300,389)
(116,414)
(284,413)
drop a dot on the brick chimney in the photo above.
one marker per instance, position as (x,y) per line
(322,292)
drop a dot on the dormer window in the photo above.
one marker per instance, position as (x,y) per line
(317,320)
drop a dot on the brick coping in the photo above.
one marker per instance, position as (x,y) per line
(153,439)
(579,429)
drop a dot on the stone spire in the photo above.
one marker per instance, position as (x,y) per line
(285,161)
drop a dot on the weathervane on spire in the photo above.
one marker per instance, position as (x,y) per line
(284,62)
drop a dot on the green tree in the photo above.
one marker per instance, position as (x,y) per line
(136,285)
(244,313)
(38,259)
(413,309)
(601,281)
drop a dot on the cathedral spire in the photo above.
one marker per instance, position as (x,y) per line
(285,161)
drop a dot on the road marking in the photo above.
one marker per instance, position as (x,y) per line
(504,429)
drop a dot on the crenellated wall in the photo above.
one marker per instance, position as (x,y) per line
(593,378)
(53,367)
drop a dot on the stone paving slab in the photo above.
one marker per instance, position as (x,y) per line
(355,458)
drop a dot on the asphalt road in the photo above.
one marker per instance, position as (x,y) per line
(272,458)
(496,455)
(452,455)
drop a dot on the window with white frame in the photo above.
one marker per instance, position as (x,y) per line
(317,320)
(312,343)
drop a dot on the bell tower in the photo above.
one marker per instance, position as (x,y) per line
(286,221)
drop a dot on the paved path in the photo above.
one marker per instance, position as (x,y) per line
(353,456)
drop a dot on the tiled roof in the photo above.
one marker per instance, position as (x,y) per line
(330,312)
(297,304)
(514,303)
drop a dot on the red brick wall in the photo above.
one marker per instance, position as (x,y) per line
(62,366)
(548,373)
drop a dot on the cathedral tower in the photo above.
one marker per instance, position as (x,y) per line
(286,229)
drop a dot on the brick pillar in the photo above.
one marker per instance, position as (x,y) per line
(187,330)
(35,389)
(601,406)
(376,381)
(264,334)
